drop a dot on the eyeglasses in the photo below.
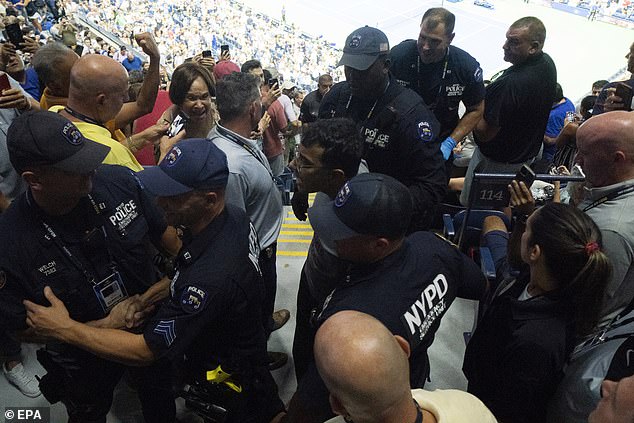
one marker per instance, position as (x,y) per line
(299,164)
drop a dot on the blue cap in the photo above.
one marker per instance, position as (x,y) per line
(368,204)
(192,164)
(363,47)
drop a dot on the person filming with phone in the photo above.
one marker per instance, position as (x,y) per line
(515,357)
(617,95)
(193,112)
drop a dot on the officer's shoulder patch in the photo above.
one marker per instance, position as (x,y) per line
(193,299)
(3,278)
(477,75)
(425,132)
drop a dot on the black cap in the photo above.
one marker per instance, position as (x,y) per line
(363,47)
(368,204)
(48,139)
(192,164)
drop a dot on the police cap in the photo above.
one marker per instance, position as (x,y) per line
(363,47)
(368,204)
(44,138)
(192,164)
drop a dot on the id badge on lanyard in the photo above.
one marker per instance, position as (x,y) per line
(110,291)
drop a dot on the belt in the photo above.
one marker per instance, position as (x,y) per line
(268,251)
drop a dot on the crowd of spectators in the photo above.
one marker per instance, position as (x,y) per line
(184,29)
(622,9)
(377,143)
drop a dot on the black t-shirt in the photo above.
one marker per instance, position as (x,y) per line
(441,89)
(400,139)
(117,234)
(309,109)
(519,102)
(213,314)
(409,292)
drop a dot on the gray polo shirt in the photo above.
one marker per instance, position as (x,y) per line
(615,218)
(251,186)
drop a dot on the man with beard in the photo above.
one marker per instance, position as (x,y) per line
(212,315)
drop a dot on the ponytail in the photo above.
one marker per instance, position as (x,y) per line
(571,243)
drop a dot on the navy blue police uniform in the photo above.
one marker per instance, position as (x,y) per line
(409,291)
(213,317)
(400,140)
(442,85)
(92,258)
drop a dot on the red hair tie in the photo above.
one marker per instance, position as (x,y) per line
(591,247)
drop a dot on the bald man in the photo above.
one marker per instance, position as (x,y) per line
(98,90)
(53,64)
(368,377)
(606,155)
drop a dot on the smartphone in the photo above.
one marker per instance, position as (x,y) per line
(224,49)
(14,34)
(206,53)
(273,81)
(4,82)
(79,49)
(526,175)
(570,116)
(177,124)
(626,93)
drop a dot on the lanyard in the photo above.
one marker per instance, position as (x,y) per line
(82,116)
(611,196)
(373,106)
(227,134)
(66,251)
(433,105)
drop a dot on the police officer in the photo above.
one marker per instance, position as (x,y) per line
(213,312)
(406,282)
(399,132)
(443,75)
(83,230)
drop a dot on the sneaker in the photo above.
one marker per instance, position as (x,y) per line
(17,376)
(277,359)
(280,317)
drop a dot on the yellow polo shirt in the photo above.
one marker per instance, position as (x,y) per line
(119,154)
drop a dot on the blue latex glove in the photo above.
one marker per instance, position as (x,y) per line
(447,147)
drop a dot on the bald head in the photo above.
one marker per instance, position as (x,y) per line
(100,82)
(363,365)
(95,73)
(606,148)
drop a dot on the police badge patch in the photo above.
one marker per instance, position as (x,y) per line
(342,195)
(72,134)
(3,279)
(193,299)
(173,156)
(424,131)
(355,41)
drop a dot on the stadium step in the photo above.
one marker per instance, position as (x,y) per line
(295,235)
